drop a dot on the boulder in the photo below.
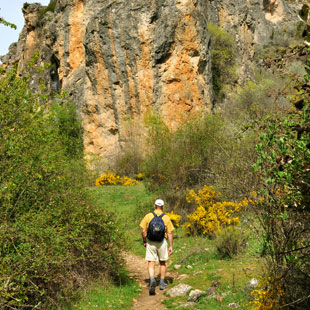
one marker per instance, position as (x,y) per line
(195,295)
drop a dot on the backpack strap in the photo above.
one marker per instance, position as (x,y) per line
(155,215)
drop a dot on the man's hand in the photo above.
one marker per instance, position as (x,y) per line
(170,250)
(144,244)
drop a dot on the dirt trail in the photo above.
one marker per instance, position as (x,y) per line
(137,267)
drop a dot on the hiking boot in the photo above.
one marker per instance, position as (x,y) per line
(163,285)
(152,287)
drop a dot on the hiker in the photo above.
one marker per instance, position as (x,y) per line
(156,228)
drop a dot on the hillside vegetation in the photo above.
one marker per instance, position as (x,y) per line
(236,184)
(53,236)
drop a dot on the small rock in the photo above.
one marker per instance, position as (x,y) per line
(253,283)
(215,283)
(189,267)
(210,297)
(233,305)
(226,294)
(179,290)
(198,272)
(176,267)
(212,291)
(188,304)
(195,295)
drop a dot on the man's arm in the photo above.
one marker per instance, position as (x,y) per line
(143,233)
(170,238)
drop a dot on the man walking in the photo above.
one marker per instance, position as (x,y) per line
(156,228)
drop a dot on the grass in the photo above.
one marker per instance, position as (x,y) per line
(106,295)
(130,204)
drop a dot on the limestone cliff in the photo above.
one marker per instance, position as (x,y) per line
(119,59)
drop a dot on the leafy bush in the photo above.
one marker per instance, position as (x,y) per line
(211,214)
(253,101)
(204,150)
(283,164)
(222,59)
(52,236)
(230,241)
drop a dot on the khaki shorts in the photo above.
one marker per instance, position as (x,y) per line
(156,251)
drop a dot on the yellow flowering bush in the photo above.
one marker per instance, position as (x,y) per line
(268,296)
(175,218)
(139,176)
(112,179)
(211,215)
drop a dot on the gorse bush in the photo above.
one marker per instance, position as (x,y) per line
(211,214)
(175,218)
(52,236)
(112,179)
(268,296)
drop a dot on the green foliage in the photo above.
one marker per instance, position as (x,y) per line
(52,237)
(69,128)
(129,160)
(222,59)
(203,151)
(283,164)
(230,241)
(179,158)
(49,8)
(8,24)
(304,16)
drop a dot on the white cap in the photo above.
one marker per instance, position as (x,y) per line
(159,202)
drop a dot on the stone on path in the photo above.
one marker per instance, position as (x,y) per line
(179,290)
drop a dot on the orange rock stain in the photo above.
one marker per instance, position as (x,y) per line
(76,34)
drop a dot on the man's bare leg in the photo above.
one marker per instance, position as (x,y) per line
(151,270)
(163,268)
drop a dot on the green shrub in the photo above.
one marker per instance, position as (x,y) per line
(230,241)
(283,208)
(49,8)
(222,59)
(203,151)
(52,236)
(256,99)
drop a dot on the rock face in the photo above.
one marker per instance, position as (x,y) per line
(120,59)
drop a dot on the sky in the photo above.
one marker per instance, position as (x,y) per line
(11,11)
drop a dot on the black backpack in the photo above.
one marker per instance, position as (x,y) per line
(156,229)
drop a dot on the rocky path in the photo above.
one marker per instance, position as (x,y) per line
(137,267)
